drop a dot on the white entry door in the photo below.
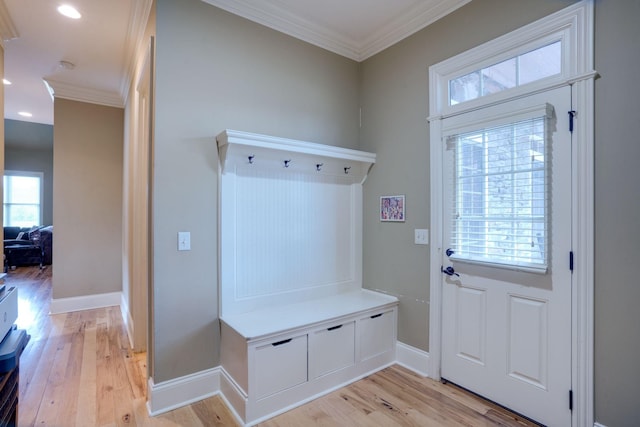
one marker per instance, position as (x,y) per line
(506,282)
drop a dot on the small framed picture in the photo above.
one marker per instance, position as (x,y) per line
(392,208)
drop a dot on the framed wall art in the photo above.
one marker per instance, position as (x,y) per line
(392,208)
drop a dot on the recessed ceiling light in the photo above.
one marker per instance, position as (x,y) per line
(5,81)
(67,65)
(69,11)
(25,114)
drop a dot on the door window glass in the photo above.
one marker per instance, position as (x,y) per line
(500,194)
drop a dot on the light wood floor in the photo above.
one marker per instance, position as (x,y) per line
(79,370)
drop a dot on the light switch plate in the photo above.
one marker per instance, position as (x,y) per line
(421,236)
(184,241)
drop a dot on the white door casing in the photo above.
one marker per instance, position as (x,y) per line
(506,332)
(574,25)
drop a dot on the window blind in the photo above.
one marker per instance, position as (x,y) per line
(22,199)
(501,194)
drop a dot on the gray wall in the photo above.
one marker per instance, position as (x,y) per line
(395,104)
(29,147)
(216,71)
(394,89)
(87,161)
(617,295)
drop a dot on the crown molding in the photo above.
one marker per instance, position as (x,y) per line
(8,29)
(85,94)
(414,20)
(277,18)
(134,43)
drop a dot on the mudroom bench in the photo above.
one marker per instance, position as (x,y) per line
(279,357)
(296,322)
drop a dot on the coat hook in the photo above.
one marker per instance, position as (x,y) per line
(286,163)
(319,166)
(346,170)
(251,159)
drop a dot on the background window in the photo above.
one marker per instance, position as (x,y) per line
(22,199)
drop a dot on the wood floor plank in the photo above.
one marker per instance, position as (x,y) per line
(69,384)
(88,386)
(32,391)
(79,370)
(53,397)
(104,398)
(391,384)
(213,412)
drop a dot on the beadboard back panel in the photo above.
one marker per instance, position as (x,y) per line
(290,224)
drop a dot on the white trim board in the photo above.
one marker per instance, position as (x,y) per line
(183,391)
(178,392)
(126,317)
(173,394)
(232,395)
(412,358)
(85,302)
(576,23)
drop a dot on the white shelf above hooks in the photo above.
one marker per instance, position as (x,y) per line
(237,148)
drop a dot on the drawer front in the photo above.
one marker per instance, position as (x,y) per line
(8,309)
(331,349)
(377,333)
(279,366)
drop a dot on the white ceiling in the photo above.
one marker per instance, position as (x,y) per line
(36,38)
(100,44)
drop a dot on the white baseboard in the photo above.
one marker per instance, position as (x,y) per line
(232,395)
(598,425)
(126,318)
(178,392)
(412,358)
(85,302)
(185,390)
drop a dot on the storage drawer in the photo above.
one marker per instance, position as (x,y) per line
(8,309)
(331,349)
(376,334)
(279,365)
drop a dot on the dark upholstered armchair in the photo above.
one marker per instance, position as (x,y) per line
(27,246)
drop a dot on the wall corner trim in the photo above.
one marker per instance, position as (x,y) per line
(85,302)
(182,391)
(126,316)
(412,358)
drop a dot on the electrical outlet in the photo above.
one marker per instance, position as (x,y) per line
(184,241)
(421,236)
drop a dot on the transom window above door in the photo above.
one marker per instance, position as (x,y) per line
(528,67)
(505,69)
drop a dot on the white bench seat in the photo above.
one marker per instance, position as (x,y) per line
(279,357)
(281,319)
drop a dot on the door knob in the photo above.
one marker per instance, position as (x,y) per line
(449,271)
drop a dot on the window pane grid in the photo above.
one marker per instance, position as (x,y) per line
(22,200)
(538,64)
(501,195)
